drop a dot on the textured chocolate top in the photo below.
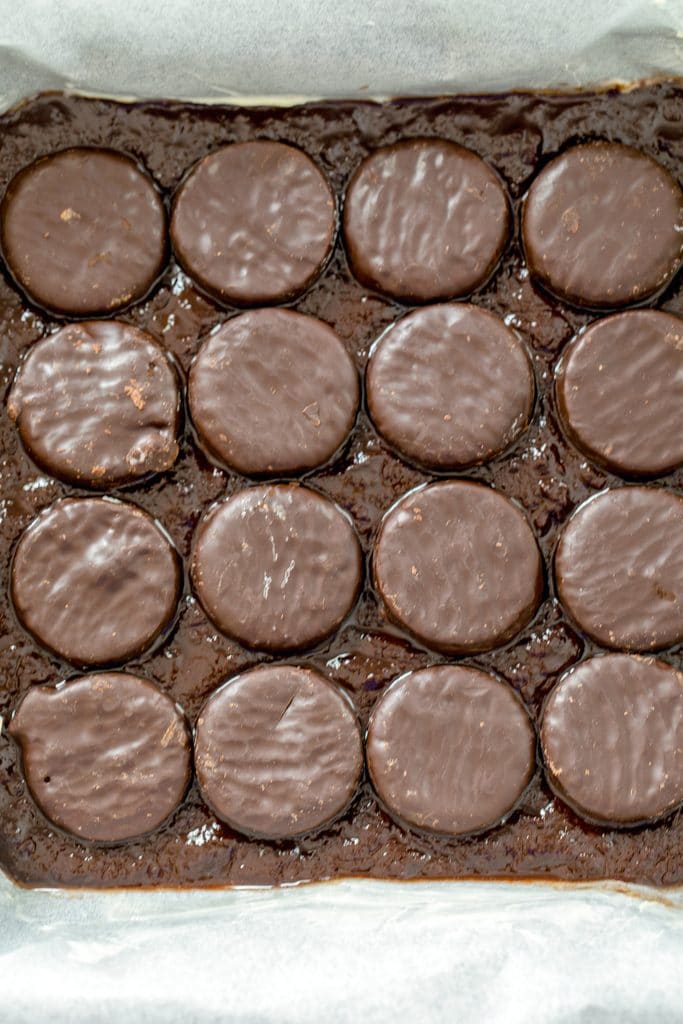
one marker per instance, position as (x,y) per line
(612,739)
(106,757)
(254,222)
(273,392)
(450,749)
(450,386)
(619,568)
(95,580)
(278,751)
(620,392)
(84,231)
(278,567)
(457,565)
(603,225)
(97,404)
(425,219)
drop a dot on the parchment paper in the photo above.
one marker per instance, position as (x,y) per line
(351,951)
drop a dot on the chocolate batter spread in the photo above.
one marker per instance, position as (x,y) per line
(542,472)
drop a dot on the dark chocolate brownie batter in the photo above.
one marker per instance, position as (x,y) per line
(517,135)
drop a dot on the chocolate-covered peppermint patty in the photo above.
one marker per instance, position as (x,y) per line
(450,386)
(84,231)
(424,219)
(254,222)
(450,749)
(278,751)
(278,567)
(106,757)
(98,404)
(612,739)
(602,225)
(457,564)
(95,580)
(273,392)
(619,392)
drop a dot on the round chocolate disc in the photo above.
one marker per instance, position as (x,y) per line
(612,739)
(620,392)
(273,392)
(450,386)
(254,223)
(277,567)
(107,757)
(602,225)
(95,580)
(97,404)
(425,219)
(84,231)
(619,568)
(278,752)
(450,749)
(457,565)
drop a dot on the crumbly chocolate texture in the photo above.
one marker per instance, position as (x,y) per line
(450,386)
(272,392)
(620,392)
(84,231)
(619,568)
(254,223)
(450,749)
(98,404)
(517,134)
(95,580)
(612,739)
(279,567)
(424,219)
(278,752)
(457,565)
(107,757)
(603,226)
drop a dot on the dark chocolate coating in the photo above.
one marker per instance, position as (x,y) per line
(97,404)
(273,392)
(95,580)
(424,219)
(107,757)
(619,392)
(84,231)
(278,567)
(278,752)
(450,386)
(254,223)
(602,225)
(612,739)
(457,564)
(450,749)
(619,568)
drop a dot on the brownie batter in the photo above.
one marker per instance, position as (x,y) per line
(450,749)
(517,134)
(97,404)
(278,751)
(84,231)
(450,386)
(619,568)
(95,580)
(272,392)
(457,565)
(254,223)
(620,392)
(425,219)
(106,757)
(612,738)
(603,225)
(277,567)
